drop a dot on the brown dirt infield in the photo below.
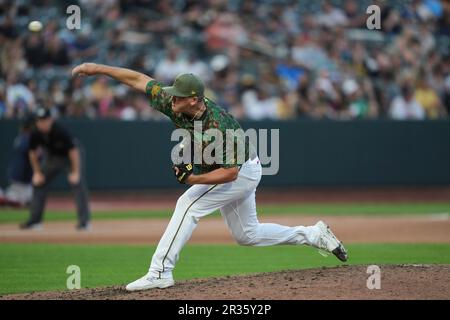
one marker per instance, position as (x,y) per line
(349,229)
(345,282)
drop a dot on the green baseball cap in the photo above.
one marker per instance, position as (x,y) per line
(186,85)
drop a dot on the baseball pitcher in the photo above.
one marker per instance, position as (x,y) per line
(228,185)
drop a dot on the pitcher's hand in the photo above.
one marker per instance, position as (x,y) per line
(85,69)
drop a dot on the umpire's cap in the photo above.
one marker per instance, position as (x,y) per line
(43,113)
(186,85)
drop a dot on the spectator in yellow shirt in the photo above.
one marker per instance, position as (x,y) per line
(429,99)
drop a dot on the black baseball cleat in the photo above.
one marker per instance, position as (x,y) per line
(340,253)
(328,242)
(84,227)
(30,226)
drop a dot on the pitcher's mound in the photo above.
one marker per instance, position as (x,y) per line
(345,282)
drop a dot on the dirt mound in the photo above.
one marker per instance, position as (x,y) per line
(345,282)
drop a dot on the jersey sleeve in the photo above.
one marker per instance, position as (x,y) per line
(230,148)
(34,141)
(158,99)
(64,136)
(229,158)
(67,140)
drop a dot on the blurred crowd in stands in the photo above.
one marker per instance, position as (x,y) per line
(260,59)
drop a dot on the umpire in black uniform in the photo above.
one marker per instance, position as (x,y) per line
(61,153)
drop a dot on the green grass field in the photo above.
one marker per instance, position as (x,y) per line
(42,267)
(379,208)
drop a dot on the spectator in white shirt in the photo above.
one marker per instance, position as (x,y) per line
(168,68)
(258,104)
(405,106)
(19,98)
(331,17)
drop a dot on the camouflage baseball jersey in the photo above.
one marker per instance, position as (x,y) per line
(214,117)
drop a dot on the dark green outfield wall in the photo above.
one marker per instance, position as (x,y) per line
(135,155)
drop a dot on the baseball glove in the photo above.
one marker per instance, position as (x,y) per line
(184,171)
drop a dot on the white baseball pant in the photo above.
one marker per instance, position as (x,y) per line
(236,201)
